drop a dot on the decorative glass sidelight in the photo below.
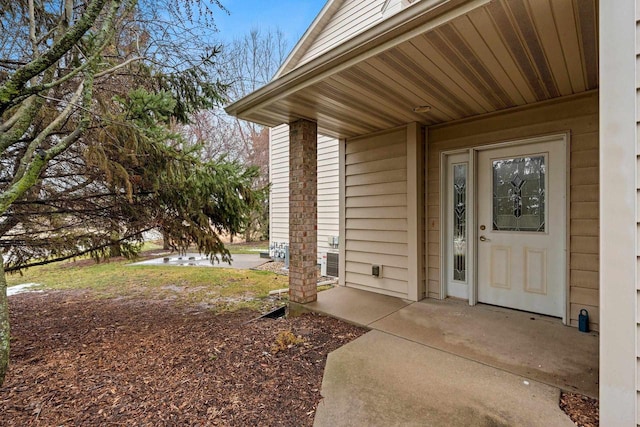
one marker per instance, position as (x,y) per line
(460,221)
(519,194)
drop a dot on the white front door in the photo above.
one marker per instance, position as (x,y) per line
(521,226)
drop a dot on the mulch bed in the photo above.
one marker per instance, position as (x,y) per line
(583,410)
(81,361)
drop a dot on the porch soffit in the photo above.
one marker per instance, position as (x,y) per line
(494,56)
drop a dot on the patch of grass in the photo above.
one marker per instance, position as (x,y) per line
(324,288)
(218,288)
(153,245)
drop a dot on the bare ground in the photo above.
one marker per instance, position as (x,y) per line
(81,361)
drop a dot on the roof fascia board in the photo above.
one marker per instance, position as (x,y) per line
(421,17)
(324,15)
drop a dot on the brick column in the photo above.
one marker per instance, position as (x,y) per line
(303,211)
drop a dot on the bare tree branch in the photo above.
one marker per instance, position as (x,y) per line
(14,86)
(40,138)
(121,65)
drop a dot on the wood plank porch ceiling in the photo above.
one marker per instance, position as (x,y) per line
(504,54)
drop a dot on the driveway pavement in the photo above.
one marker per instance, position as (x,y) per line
(239,261)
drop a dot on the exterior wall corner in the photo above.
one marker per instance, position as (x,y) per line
(618,216)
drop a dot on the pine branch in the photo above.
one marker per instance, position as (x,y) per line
(77,254)
(50,202)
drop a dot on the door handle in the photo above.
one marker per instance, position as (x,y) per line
(484,239)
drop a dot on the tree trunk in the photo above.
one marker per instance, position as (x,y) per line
(165,241)
(114,249)
(4,324)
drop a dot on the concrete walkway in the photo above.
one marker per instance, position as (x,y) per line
(437,363)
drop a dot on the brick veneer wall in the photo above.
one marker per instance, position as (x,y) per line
(303,211)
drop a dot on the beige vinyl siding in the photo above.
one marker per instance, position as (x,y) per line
(577,115)
(279,178)
(351,18)
(638,212)
(328,192)
(376,211)
(328,174)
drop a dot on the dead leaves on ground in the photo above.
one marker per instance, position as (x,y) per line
(80,361)
(582,410)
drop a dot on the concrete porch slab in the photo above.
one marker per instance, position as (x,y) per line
(355,306)
(534,346)
(383,380)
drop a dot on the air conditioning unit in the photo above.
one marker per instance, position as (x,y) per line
(333,264)
(329,264)
(323,264)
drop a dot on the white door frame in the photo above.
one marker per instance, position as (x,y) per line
(472,209)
